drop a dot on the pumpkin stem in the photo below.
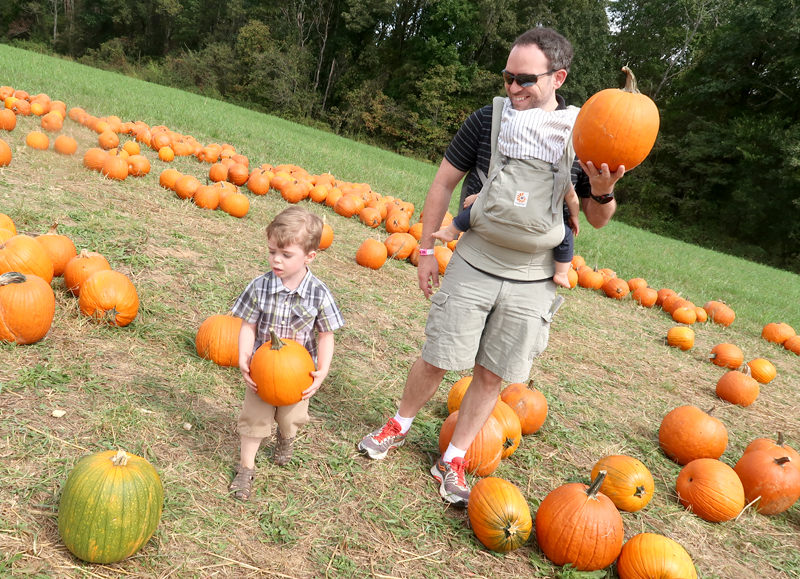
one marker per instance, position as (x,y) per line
(53,229)
(630,81)
(639,491)
(277,344)
(84,254)
(592,491)
(780,441)
(710,410)
(119,459)
(12,277)
(782,460)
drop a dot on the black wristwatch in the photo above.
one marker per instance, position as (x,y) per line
(603,199)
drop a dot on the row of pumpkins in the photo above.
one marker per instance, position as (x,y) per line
(28,266)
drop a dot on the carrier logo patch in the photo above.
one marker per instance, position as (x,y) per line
(521,200)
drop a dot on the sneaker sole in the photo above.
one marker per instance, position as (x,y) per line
(447,497)
(377,456)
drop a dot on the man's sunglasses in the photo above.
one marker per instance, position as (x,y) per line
(524,80)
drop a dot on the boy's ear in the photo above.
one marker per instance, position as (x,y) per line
(310,256)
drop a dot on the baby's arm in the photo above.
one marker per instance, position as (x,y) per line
(247,339)
(324,357)
(470,199)
(574,209)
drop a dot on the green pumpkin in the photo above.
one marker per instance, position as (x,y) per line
(110,506)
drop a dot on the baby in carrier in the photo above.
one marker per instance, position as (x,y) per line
(526,136)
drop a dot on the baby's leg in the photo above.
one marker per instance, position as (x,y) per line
(560,277)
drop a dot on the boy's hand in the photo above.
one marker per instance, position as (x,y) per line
(319,377)
(244,368)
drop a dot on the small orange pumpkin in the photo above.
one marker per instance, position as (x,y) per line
(727,356)
(372,253)
(763,370)
(37,140)
(80,267)
(59,247)
(65,145)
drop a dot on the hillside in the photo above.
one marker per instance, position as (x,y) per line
(607,374)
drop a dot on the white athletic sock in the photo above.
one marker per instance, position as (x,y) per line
(453,452)
(405,423)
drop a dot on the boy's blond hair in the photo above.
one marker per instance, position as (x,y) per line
(295,225)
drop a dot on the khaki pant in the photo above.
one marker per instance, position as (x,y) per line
(476,318)
(256,417)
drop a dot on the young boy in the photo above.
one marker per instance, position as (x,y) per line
(290,300)
(563,253)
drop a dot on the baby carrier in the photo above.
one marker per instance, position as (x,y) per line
(518,216)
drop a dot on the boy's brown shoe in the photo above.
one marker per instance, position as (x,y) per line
(282,451)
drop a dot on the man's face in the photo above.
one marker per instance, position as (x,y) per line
(531,60)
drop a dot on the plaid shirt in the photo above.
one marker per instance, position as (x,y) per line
(292,314)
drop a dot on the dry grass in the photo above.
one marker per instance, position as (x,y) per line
(607,376)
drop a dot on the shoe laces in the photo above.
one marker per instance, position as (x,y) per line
(459,466)
(391,428)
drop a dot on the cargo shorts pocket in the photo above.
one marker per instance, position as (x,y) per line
(543,335)
(437,314)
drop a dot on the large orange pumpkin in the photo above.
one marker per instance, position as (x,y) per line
(484,454)
(5,154)
(687,433)
(109,296)
(23,254)
(282,371)
(578,525)
(218,340)
(779,444)
(711,489)
(617,127)
(528,404)
(499,515)
(512,429)
(777,332)
(647,555)
(771,477)
(27,307)
(738,387)
(628,482)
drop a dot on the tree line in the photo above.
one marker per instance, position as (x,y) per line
(404,75)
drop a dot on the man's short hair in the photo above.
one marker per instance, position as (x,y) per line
(296,225)
(556,48)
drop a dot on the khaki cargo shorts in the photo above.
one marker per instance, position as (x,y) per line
(476,318)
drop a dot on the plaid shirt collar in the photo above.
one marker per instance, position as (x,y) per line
(302,290)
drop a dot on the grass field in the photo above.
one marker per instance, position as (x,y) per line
(607,375)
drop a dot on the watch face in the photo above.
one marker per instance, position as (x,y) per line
(603,199)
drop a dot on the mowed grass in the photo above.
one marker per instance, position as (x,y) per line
(607,375)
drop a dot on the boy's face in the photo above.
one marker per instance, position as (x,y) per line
(289,263)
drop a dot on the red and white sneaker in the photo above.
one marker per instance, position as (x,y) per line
(453,487)
(377,444)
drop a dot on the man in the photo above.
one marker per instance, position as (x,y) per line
(491,312)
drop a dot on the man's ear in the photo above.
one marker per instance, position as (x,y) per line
(559,77)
